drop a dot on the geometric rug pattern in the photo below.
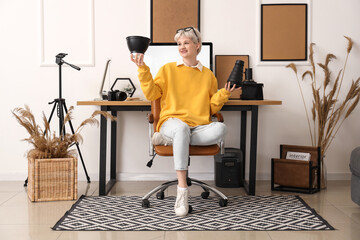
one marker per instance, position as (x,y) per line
(124,213)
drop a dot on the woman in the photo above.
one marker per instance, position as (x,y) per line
(189,96)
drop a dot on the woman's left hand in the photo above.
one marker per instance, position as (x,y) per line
(227,87)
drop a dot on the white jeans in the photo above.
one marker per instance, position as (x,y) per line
(182,135)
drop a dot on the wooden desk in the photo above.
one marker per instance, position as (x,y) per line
(243,106)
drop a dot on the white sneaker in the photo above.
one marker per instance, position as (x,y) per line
(181,205)
(159,139)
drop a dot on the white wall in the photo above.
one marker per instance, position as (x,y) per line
(229,24)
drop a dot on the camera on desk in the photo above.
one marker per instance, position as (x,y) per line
(251,90)
(117,95)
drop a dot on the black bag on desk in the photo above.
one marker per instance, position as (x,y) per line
(252,91)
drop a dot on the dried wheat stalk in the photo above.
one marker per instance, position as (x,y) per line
(328,113)
(293,67)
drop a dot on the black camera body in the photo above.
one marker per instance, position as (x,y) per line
(117,95)
(251,90)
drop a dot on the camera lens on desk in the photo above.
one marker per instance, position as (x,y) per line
(236,76)
(248,74)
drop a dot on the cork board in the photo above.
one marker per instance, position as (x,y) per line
(224,64)
(284,32)
(167,16)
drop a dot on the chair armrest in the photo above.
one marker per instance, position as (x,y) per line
(219,117)
(150,117)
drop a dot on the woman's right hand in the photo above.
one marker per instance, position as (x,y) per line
(138,59)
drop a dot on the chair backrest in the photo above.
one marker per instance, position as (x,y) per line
(155,110)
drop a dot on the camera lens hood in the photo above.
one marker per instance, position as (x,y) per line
(236,75)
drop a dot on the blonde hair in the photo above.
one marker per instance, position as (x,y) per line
(194,36)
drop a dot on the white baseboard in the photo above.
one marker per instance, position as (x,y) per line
(23,176)
(206,176)
(339,176)
(162,176)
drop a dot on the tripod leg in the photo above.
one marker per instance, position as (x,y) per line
(61,106)
(52,111)
(82,161)
(77,146)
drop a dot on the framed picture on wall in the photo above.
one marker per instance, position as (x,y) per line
(224,64)
(284,32)
(169,15)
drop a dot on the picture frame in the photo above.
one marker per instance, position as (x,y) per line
(284,32)
(223,67)
(260,58)
(169,15)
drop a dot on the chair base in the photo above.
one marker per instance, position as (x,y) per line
(159,190)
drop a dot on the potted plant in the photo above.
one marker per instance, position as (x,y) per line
(328,110)
(52,164)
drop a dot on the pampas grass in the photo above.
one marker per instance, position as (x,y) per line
(328,111)
(45,144)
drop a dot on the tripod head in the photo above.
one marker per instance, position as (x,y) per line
(60,61)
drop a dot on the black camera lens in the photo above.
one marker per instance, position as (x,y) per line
(236,76)
(121,96)
(248,74)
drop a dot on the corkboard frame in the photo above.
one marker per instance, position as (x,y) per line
(166,16)
(224,64)
(298,51)
(284,32)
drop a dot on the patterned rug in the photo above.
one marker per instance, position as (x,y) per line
(242,213)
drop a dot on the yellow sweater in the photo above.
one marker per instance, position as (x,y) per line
(186,93)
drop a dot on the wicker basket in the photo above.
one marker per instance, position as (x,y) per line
(52,179)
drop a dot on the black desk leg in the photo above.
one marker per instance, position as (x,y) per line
(253,149)
(102,167)
(243,141)
(113,148)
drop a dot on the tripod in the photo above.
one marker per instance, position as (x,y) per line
(60,105)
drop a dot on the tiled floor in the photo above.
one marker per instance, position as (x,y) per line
(21,219)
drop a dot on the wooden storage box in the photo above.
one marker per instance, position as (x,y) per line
(52,179)
(296,175)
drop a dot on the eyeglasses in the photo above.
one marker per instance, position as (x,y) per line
(187,29)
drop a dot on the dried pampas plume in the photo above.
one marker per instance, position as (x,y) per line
(350,44)
(328,112)
(46,144)
(293,67)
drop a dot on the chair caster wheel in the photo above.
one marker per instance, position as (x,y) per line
(160,195)
(145,203)
(205,195)
(188,181)
(190,209)
(223,202)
